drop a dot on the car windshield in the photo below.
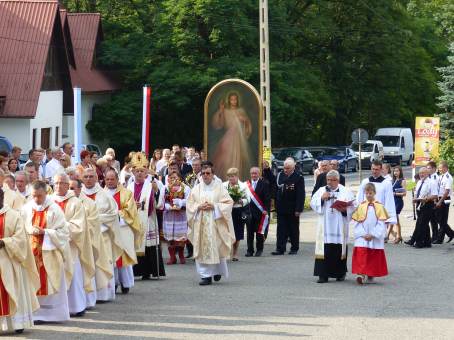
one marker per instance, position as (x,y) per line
(317,153)
(388,140)
(335,152)
(283,154)
(367,147)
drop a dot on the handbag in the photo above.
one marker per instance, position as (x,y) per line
(246,214)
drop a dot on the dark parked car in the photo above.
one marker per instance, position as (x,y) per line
(344,155)
(304,160)
(5,144)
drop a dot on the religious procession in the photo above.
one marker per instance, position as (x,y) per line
(193,169)
(75,235)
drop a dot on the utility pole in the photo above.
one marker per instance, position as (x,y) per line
(265,73)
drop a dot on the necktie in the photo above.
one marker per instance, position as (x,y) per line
(254,184)
(419,189)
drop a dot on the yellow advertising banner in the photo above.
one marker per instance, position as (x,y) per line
(427,139)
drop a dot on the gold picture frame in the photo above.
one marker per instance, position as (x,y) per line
(225,142)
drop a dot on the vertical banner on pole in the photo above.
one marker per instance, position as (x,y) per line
(427,134)
(146,120)
(77,123)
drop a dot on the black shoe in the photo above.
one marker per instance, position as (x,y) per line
(322,279)
(419,246)
(19,331)
(450,239)
(217,278)
(205,281)
(409,242)
(79,315)
(249,254)
(146,277)
(258,253)
(277,253)
(437,242)
(293,252)
(340,279)
(124,290)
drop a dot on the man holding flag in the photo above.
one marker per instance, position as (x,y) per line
(259,192)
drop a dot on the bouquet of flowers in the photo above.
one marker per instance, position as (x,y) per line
(236,193)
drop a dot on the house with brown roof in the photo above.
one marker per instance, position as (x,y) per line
(45,53)
(85,36)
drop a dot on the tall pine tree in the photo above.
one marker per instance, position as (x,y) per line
(446,100)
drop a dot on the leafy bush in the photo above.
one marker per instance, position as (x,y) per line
(447,153)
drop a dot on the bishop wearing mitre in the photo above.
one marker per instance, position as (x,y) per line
(80,245)
(131,230)
(19,279)
(148,196)
(110,228)
(210,226)
(49,238)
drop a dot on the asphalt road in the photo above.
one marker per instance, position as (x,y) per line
(278,298)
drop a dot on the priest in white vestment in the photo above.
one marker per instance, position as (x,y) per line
(131,230)
(384,188)
(19,279)
(110,228)
(210,226)
(80,244)
(335,205)
(49,237)
(103,266)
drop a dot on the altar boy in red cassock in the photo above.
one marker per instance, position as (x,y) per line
(369,259)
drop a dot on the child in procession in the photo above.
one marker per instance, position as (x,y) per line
(369,260)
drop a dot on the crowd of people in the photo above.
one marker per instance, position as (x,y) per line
(72,235)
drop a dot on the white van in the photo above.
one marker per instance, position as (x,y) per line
(397,144)
(371,151)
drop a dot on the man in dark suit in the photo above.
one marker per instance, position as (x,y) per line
(321,179)
(185,168)
(290,198)
(260,211)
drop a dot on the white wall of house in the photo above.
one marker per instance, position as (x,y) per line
(88,101)
(48,115)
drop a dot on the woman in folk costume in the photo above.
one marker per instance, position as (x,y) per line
(175,224)
(110,228)
(130,230)
(149,196)
(19,279)
(49,237)
(369,259)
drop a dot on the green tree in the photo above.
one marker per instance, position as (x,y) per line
(446,100)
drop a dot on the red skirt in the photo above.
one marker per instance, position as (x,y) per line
(370,262)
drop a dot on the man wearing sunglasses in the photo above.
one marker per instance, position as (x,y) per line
(210,226)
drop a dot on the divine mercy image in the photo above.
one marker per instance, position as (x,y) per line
(233,120)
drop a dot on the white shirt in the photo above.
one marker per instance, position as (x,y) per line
(52,168)
(444,183)
(428,188)
(160,164)
(244,201)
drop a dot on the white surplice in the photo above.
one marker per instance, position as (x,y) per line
(332,226)
(384,195)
